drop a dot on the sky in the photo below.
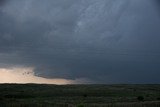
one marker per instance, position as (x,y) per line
(80,41)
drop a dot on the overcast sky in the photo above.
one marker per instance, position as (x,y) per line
(101,41)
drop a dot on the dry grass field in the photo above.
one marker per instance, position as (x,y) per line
(34,95)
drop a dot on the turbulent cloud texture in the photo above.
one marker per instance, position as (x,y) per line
(103,41)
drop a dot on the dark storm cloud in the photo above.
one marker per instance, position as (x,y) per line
(107,41)
(2,2)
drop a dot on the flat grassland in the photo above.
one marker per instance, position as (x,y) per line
(34,95)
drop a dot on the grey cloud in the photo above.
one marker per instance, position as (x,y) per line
(2,2)
(107,41)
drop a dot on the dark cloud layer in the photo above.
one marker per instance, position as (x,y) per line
(106,41)
(2,2)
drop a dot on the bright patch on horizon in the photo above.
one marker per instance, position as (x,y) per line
(26,75)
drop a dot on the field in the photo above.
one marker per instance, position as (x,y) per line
(34,95)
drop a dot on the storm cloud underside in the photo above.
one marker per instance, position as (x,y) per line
(104,41)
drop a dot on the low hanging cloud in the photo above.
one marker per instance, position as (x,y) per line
(26,75)
(103,41)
